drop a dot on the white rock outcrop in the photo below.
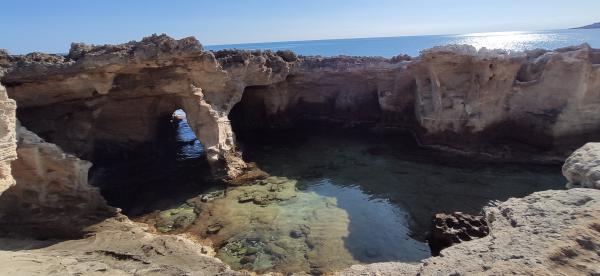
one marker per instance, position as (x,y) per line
(582,168)
(8,142)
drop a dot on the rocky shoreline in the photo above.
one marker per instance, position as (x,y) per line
(100,103)
(537,105)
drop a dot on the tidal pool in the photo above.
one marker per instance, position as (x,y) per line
(334,199)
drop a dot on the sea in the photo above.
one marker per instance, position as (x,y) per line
(413,45)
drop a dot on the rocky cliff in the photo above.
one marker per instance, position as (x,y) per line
(102,101)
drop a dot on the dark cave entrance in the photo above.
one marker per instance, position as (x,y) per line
(155,176)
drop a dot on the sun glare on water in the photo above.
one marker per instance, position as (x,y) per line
(517,41)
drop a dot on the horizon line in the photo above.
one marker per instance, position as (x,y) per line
(368,37)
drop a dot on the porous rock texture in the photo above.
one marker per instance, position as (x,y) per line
(582,168)
(8,146)
(104,101)
(449,229)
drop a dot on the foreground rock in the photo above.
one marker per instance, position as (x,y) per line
(546,233)
(113,247)
(582,168)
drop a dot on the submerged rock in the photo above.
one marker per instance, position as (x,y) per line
(247,253)
(212,195)
(245,198)
(176,218)
(301,231)
(214,228)
(267,191)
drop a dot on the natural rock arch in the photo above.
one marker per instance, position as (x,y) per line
(110,96)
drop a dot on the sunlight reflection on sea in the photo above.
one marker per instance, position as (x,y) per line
(413,45)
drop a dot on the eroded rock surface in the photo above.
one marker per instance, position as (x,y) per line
(449,229)
(104,100)
(116,246)
(582,168)
(101,101)
(51,197)
(8,143)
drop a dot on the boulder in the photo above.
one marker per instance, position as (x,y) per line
(582,168)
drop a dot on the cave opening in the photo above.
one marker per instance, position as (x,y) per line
(155,176)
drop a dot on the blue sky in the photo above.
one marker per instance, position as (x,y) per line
(51,26)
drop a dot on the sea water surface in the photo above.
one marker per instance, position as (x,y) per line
(412,45)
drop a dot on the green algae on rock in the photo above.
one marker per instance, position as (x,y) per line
(176,218)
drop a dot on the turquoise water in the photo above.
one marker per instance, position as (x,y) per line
(412,45)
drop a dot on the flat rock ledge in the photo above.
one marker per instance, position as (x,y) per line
(545,233)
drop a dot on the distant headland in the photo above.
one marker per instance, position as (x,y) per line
(591,26)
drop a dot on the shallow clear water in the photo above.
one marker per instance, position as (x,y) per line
(421,182)
(412,45)
(340,198)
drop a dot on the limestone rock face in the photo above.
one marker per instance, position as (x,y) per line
(8,143)
(48,177)
(104,99)
(51,190)
(462,90)
(457,97)
(546,233)
(101,101)
(540,98)
(582,168)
